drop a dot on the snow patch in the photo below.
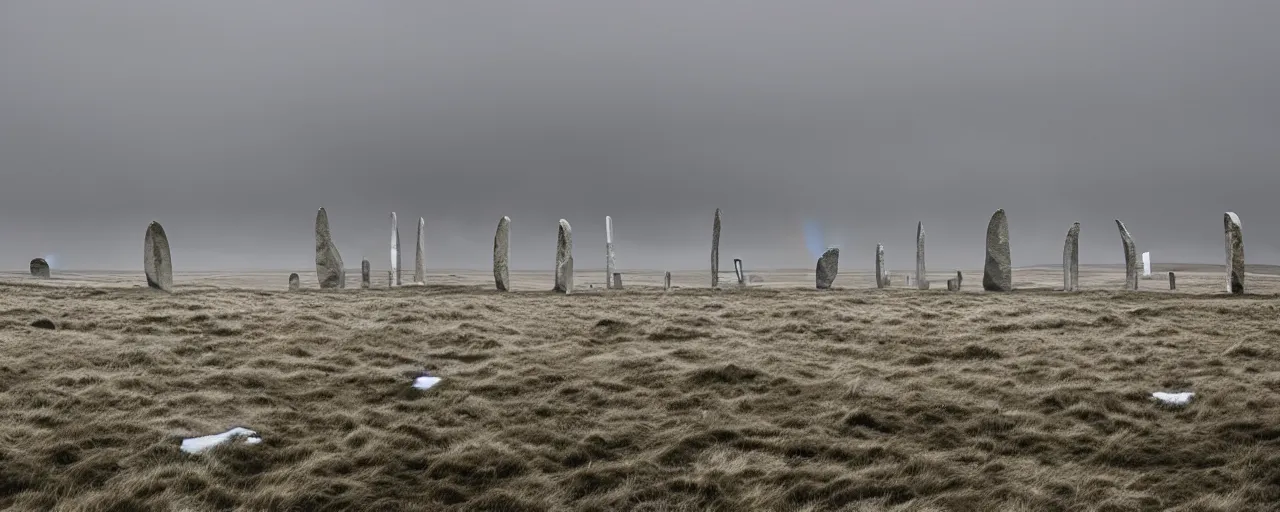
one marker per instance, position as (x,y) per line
(1173,398)
(200,444)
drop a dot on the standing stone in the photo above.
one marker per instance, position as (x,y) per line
(739,272)
(40,268)
(715,251)
(329,270)
(564,258)
(617,280)
(1130,258)
(501,254)
(881,275)
(395,248)
(608,250)
(1146,264)
(365,280)
(828,267)
(295,283)
(997,275)
(887,280)
(156,263)
(1173,281)
(390,280)
(1235,253)
(953,284)
(922,280)
(666,282)
(420,256)
(1071,259)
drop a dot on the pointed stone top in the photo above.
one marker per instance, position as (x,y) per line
(1232,215)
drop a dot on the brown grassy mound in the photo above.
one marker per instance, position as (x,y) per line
(698,400)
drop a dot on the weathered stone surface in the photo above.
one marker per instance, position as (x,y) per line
(997,274)
(739,272)
(1071,259)
(156,263)
(888,281)
(420,255)
(1146,264)
(617,280)
(295,282)
(395,248)
(40,268)
(828,267)
(922,279)
(502,254)
(954,283)
(1130,258)
(1235,253)
(564,253)
(881,274)
(329,270)
(666,282)
(365,279)
(1173,282)
(608,249)
(715,251)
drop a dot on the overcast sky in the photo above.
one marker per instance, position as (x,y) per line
(231,122)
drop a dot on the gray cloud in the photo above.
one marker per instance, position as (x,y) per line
(231,122)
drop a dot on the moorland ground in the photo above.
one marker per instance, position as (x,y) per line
(778,398)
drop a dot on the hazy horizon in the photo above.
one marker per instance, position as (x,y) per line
(810,123)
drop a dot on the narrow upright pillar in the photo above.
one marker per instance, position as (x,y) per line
(922,279)
(715,251)
(882,276)
(1071,259)
(1130,257)
(608,250)
(1235,253)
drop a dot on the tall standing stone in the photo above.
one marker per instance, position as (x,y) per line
(715,251)
(156,263)
(922,279)
(1235,253)
(365,279)
(666,282)
(395,248)
(1130,258)
(1071,259)
(608,251)
(564,258)
(1173,281)
(40,268)
(295,283)
(501,254)
(997,274)
(828,267)
(329,270)
(420,255)
(881,282)
(617,280)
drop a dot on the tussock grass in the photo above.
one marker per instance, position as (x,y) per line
(637,400)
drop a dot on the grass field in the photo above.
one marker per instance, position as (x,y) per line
(776,397)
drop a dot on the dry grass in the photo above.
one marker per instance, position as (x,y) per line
(762,399)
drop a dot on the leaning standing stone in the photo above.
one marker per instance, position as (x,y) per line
(715,251)
(881,276)
(155,258)
(40,268)
(997,275)
(922,280)
(564,258)
(739,272)
(1235,253)
(365,281)
(295,283)
(420,256)
(1071,259)
(828,267)
(501,254)
(1130,258)
(329,270)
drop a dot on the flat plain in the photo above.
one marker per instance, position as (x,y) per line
(773,397)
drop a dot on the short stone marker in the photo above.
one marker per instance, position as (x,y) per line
(1130,257)
(997,274)
(715,251)
(501,255)
(1173,281)
(828,267)
(365,280)
(1146,264)
(1235,253)
(1071,259)
(741,274)
(666,282)
(882,275)
(564,258)
(40,268)
(922,279)
(156,263)
(617,280)
(295,283)
(329,270)
(953,284)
